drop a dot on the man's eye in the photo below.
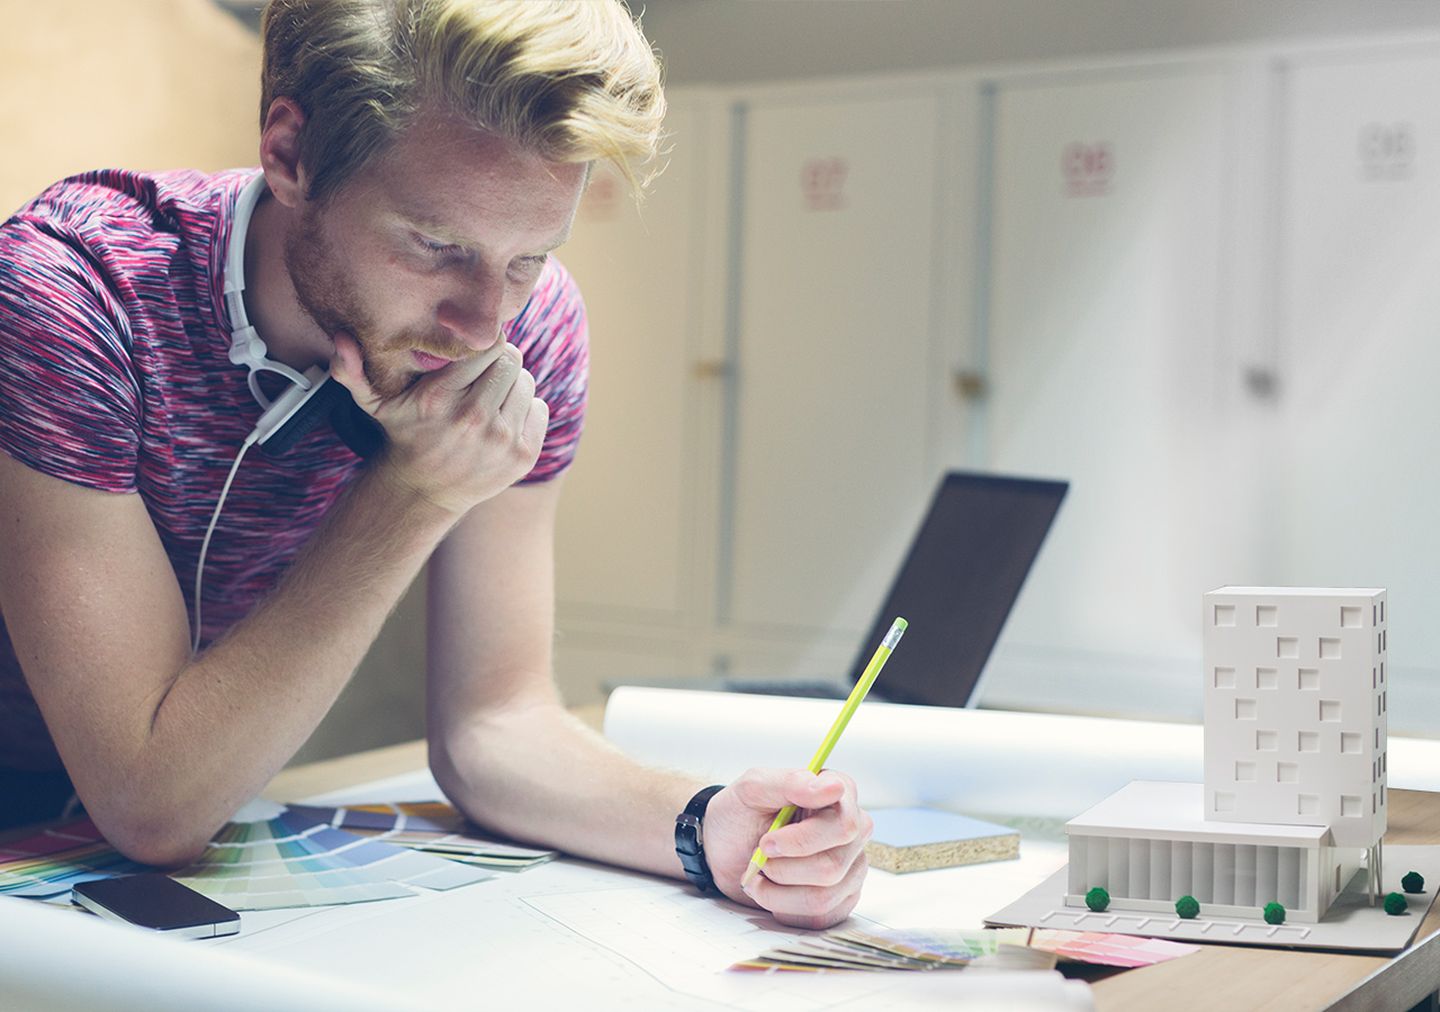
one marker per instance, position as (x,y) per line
(438,248)
(533,262)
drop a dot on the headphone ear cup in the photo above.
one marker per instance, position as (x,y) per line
(296,413)
(300,420)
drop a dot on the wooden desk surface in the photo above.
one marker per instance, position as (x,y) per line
(1217,977)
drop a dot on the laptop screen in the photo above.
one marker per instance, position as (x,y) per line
(958,583)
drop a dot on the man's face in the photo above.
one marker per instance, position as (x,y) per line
(426,252)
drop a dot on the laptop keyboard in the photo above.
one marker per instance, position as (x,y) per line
(780,687)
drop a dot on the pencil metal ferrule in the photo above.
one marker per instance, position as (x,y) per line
(892,638)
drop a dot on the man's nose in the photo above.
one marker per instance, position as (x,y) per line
(472,313)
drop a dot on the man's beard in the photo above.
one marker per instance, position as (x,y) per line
(332,299)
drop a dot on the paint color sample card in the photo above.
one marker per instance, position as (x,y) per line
(1002,949)
(418,816)
(891,949)
(45,864)
(296,860)
(1105,949)
(268,858)
(431,826)
(918,839)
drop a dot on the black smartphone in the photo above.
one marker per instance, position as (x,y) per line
(157,901)
(297,412)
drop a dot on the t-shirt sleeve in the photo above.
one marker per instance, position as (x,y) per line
(552,333)
(70,406)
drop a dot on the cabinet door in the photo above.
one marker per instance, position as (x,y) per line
(1104,299)
(625,521)
(1359,308)
(829,461)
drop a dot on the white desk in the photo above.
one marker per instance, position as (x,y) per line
(1219,977)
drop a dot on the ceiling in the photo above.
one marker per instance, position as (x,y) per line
(739,41)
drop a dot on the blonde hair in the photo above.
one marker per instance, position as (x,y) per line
(572,80)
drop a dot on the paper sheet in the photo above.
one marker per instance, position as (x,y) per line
(57,961)
(985,763)
(571,933)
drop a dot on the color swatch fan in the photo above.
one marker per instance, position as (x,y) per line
(430,826)
(44,865)
(268,858)
(1002,949)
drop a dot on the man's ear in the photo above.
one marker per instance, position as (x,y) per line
(280,152)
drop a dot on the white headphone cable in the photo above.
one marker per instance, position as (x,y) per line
(205,545)
(247,348)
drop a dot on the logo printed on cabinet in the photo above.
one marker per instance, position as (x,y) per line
(601,201)
(822,183)
(1387,151)
(1088,169)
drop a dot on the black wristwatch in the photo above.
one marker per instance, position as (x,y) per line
(690,843)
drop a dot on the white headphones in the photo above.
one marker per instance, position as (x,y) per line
(247,347)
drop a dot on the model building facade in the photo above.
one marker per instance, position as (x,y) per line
(1295,709)
(1293,802)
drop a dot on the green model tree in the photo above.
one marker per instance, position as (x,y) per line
(1395,904)
(1187,907)
(1413,882)
(1274,913)
(1097,899)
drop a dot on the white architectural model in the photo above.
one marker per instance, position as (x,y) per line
(1295,764)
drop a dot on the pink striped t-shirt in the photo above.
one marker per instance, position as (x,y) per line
(114,374)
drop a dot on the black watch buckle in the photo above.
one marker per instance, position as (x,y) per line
(689,840)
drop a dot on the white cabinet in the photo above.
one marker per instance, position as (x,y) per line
(1358,324)
(831,458)
(1104,298)
(1127,256)
(629,514)
(770,387)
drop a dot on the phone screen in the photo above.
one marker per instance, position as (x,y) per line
(157,901)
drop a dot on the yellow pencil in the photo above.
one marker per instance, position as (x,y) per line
(857,696)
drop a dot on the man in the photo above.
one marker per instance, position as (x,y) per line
(420,160)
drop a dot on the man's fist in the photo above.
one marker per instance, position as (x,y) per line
(814,866)
(459,435)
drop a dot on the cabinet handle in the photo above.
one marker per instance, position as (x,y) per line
(1263,383)
(970,385)
(717,368)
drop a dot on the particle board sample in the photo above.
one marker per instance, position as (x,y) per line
(918,839)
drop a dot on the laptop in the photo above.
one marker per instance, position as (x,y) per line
(956,587)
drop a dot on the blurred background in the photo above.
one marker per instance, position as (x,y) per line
(1180,253)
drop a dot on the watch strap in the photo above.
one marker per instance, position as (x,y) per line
(690,841)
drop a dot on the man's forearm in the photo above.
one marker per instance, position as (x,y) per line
(233,715)
(536,773)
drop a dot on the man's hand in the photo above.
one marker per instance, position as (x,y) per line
(460,435)
(814,867)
